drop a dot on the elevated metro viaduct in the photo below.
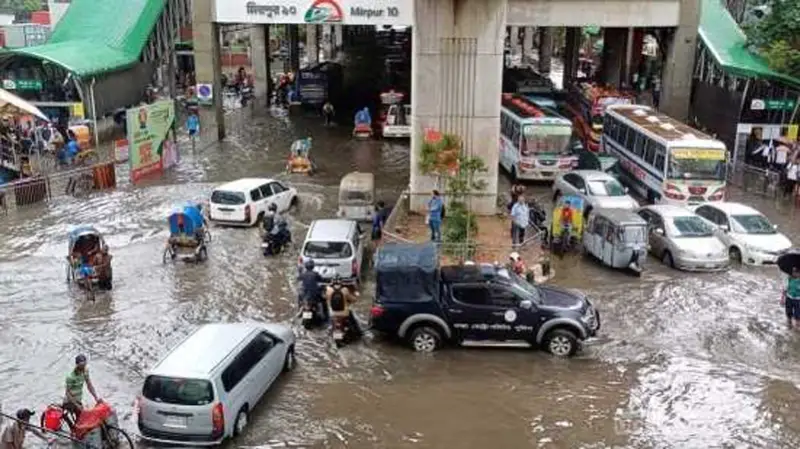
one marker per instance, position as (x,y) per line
(458,52)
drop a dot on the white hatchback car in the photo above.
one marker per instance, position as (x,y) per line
(749,236)
(245,201)
(683,240)
(597,188)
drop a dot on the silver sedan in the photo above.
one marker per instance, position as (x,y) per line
(683,240)
(598,189)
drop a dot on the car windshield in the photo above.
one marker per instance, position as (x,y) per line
(606,187)
(173,390)
(697,164)
(689,226)
(546,139)
(522,287)
(754,224)
(355,197)
(227,198)
(328,250)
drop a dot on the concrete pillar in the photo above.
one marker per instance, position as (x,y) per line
(294,48)
(268,59)
(312,47)
(207,62)
(545,49)
(327,40)
(513,40)
(527,44)
(457,62)
(572,53)
(627,68)
(259,53)
(338,39)
(677,76)
(614,52)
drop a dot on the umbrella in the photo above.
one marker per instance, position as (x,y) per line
(14,105)
(788,260)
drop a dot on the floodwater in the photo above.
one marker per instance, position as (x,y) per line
(684,361)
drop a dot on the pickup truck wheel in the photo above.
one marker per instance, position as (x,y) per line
(561,343)
(425,339)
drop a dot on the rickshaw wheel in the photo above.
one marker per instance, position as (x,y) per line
(167,253)
(116,438)
(202,255)
(69,274)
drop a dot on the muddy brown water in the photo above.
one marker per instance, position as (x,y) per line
(683,361)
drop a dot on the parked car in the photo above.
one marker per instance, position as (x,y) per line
(681,239)
(204,390)
(426,306)
(244,202)
(597,188)
(337,247)
(747,233)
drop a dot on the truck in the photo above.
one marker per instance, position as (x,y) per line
(428,307)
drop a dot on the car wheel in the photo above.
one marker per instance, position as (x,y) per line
(425,339)
(556,196)
(735,255)
(514,174)
(288,362)
(294,202)
(561,343)
(241,422)
(259,219)
(667,259)
(586,213)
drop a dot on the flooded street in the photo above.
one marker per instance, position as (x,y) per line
(689,361)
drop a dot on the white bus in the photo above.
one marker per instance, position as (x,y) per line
(534,140)
(662,159)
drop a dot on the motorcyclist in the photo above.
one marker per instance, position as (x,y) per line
(339,297)
(310,287)
(275,226)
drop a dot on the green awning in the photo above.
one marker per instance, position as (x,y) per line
(97,37)
(727,43)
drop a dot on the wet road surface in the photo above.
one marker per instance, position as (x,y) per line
(700,360)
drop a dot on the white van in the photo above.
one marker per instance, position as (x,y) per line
(245,201)
(204,390)
(337,247)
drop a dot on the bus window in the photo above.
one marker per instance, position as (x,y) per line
(650,153)
(659,164)
(638,146)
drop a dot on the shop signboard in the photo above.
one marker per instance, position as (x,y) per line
(148,127)
(343,12)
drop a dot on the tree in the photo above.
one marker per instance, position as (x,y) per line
(776,34)
(442,156)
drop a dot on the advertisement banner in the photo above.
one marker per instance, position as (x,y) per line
(343,12)
(148,127)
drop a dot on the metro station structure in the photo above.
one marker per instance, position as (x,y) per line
(458,55)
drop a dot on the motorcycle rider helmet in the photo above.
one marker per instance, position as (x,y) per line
(309,264)
(514,256)
(273,207)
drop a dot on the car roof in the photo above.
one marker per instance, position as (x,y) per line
(620,216)
(244,184)
(204,349)
(669,210)
(592,174)
(330,229)
(733,208)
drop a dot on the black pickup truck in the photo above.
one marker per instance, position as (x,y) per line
(428,306)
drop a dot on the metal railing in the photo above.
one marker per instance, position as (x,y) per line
(38,189)
(402,218)
(752,179)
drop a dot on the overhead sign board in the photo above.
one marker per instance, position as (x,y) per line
(343,12)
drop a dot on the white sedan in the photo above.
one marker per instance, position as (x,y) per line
(597,188)
(749,236)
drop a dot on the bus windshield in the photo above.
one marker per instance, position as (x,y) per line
(697,164)
(546,139)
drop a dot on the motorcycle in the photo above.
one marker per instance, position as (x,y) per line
(246,95)
(273,243)
(345,330)
(312,314)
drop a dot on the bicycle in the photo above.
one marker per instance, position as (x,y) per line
(56,417)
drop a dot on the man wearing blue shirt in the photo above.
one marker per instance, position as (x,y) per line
(435,206)
(519,221)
